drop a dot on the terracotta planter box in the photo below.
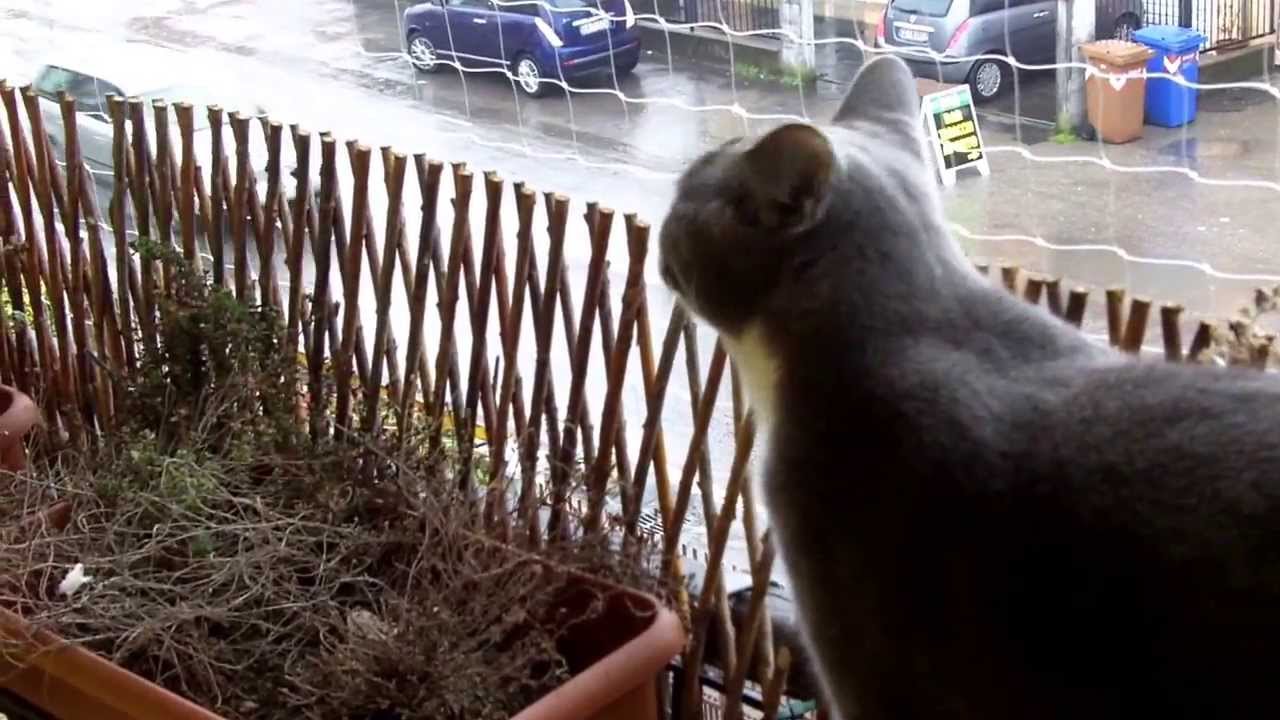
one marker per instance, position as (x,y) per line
(615,657)
(71,683)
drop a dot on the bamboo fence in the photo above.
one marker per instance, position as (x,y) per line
(83,303)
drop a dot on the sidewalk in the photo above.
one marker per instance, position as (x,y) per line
(1205,193)
(1214,200)
(1087,192)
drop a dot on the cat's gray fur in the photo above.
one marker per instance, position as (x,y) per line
(984,516)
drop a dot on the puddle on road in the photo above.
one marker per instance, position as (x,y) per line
(1192,149)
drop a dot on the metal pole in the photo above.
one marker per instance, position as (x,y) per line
(806,33)
(1063,72)
(1083,22)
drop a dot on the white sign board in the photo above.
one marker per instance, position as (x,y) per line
(953,132)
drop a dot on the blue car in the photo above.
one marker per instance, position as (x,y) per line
(534,40)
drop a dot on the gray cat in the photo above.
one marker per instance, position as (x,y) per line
(984,515)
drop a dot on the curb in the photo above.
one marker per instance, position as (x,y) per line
(1248,63)
(708,45)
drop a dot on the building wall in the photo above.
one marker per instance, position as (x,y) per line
(844,16)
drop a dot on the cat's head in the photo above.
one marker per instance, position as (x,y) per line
(750,215)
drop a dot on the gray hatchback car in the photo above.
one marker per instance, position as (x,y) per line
(1024,30)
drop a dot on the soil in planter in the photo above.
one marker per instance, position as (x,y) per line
(238,563)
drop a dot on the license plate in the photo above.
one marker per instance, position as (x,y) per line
(593,26)
(916,36)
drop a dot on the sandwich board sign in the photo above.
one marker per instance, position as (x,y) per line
(953,132)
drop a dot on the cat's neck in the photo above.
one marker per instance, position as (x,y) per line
(759,363)
(830,319)
(848,333)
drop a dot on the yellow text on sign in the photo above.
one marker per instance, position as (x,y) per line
(951,132)
(967,145)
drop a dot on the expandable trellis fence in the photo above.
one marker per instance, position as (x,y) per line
(83,296)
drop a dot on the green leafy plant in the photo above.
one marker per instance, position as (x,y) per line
(748,71)
(790,75)
(22,318)
(798,75)
(1064,132)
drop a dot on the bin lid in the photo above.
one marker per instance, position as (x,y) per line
(1169,37)
(1119,53)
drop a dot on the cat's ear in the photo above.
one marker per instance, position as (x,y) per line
(789,172)
(884,90)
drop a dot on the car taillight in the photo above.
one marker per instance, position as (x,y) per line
(959,35)
(884,20)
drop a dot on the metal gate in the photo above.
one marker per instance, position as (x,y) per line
(737,15)
(1225,22)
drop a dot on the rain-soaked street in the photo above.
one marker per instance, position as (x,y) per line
(336,65)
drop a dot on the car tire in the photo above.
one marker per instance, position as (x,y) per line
(625,69)
(1126,24)
(988,79)
(422,54)
(528,76)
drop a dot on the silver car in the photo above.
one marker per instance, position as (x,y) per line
(138,70)
(936,36)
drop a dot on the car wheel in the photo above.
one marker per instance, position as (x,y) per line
(1125,26)
(988,78)
(528,77)
(625,69)
(422,54)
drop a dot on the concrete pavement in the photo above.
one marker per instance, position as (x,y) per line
(1203,193)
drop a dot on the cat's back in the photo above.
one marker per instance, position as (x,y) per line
(1187,456)
(1095,541)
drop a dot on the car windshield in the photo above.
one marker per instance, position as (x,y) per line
(84,88)
(934,8)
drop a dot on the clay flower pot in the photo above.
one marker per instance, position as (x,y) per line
(18,414)
(615,657)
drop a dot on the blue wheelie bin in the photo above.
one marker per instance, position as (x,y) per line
(1177,52)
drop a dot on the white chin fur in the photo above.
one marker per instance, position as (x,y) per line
(758,368)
